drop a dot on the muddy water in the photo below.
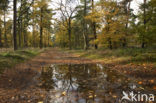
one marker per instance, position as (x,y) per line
(84,83)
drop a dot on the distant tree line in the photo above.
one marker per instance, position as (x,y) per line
(106,23)
(31,25)
(79,24)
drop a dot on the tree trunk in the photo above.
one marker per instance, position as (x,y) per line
(5,35)
(48,37)
(110,43)
(33,31)
(127,22)
(94,27)
(41,29)
(19,33)
(0,37)
(95,36)
(143,41)
(25,38)
(85,35)
(14,23)
(69,33)
(20,23)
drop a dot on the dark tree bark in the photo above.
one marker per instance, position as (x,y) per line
(110,43)
(127,6)
(143,41)
(85,36)
(33,27)
(5,33)
(69,33)
(19,33)
(41,28)
(0,37)
(20,24)
(25,38)
(14,23)
(94,27)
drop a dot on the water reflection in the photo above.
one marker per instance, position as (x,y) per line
(83,83)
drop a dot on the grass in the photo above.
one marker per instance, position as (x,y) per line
(11,58)
(128,55)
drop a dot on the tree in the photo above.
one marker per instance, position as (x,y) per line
(94,26)
(3,6)
(125,5)
(144,7)
(67,13)
(146,23)
(0,33)
(112,32)
(85,34)
(14,23)
(44,17)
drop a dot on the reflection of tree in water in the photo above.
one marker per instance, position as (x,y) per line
(85,76)
(46,78)
(79,78)
(87,81)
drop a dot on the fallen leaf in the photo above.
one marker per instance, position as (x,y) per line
(142,88)
(57,96)
(114,96)
(154,87)
(90,96)
(151,81)
(140,82)
(63,93)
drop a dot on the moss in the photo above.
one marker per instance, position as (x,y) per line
(126,55)
(10,59)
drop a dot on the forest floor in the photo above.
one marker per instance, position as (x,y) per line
(20,84)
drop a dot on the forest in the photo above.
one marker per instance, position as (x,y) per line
(77,24)
(77,51)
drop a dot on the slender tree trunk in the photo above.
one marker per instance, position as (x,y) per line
(20,26)
(19,33)
(25,38)
(14,23)
(85,36)
(143,41)
(0,37)
(110,43)
(41,29)
(69,32)
(94,27)
(33,32)
(48,40)
(5,35)
(124,44)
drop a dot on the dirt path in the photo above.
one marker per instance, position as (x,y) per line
(20,84)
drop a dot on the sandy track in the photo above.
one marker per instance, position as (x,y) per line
(20,84)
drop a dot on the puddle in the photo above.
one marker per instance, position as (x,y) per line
(84,83)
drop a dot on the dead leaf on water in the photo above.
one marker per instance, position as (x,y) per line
(154,87)
(90,96)
(63,93)
(151,81)
(140,82)
(114,96)
(142,88)
(57,96)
